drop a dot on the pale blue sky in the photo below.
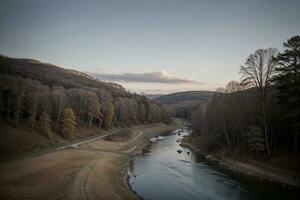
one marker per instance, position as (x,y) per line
(200,40)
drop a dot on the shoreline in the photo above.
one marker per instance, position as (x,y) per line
(145,147)
(246,168)
(126,179)
(95,170)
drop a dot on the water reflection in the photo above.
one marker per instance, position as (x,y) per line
(168,175)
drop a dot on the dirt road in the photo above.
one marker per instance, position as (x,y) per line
(89,170)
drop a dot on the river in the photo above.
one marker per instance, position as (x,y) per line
(165,174)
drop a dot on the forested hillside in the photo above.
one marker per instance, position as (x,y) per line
(54,100)
(184,103)
(259,116)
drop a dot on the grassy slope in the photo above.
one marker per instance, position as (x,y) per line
(94,171)
(22,139)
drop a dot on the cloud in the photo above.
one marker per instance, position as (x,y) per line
(151,77)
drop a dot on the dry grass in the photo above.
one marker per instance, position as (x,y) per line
(91,172)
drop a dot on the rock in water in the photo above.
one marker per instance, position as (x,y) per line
(153,139)
(160,138)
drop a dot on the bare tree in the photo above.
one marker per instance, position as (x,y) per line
(234,104)
(93,107)
(59,98)
(222,115)
(257,72)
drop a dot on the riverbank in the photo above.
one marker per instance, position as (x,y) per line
(142,145)
(92,170)
(13,147)
(248,167)
(145,148)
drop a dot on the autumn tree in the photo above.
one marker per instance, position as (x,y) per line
(76,102)
(108,111)
(122,111)
(93,107)
(45,124)
(68,122)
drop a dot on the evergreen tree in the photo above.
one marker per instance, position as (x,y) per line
(288,84)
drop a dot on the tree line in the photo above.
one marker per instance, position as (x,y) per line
(260,114)
(55,109)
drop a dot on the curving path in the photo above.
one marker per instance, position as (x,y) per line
(77,171)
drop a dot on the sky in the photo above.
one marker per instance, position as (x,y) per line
(151,46)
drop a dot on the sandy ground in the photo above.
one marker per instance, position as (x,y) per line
(90,172)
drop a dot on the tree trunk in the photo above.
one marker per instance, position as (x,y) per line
(296,143)
(99,125)
(265,124)
(227,137)
(33,118)
(91,118)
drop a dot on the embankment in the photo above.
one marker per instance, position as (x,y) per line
(248,167)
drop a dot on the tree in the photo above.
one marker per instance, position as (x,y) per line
(234,105)
(257,72)
(222,126)
(59,99)
(79,100)
(288,84)
(198,119)
(68,122)
(93,107)
(108,110)
(18,88)
(45,124)
(122,111)
(33,102)
(133,109)
(255,139)
(142,112)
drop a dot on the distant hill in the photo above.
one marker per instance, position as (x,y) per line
(183,103)
(42,104)
(180,97)
(53,75)
(152,96)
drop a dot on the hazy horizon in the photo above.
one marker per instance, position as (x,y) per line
(147,46)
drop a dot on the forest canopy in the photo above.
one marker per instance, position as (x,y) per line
(52,99)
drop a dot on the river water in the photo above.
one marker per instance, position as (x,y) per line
(165,174)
